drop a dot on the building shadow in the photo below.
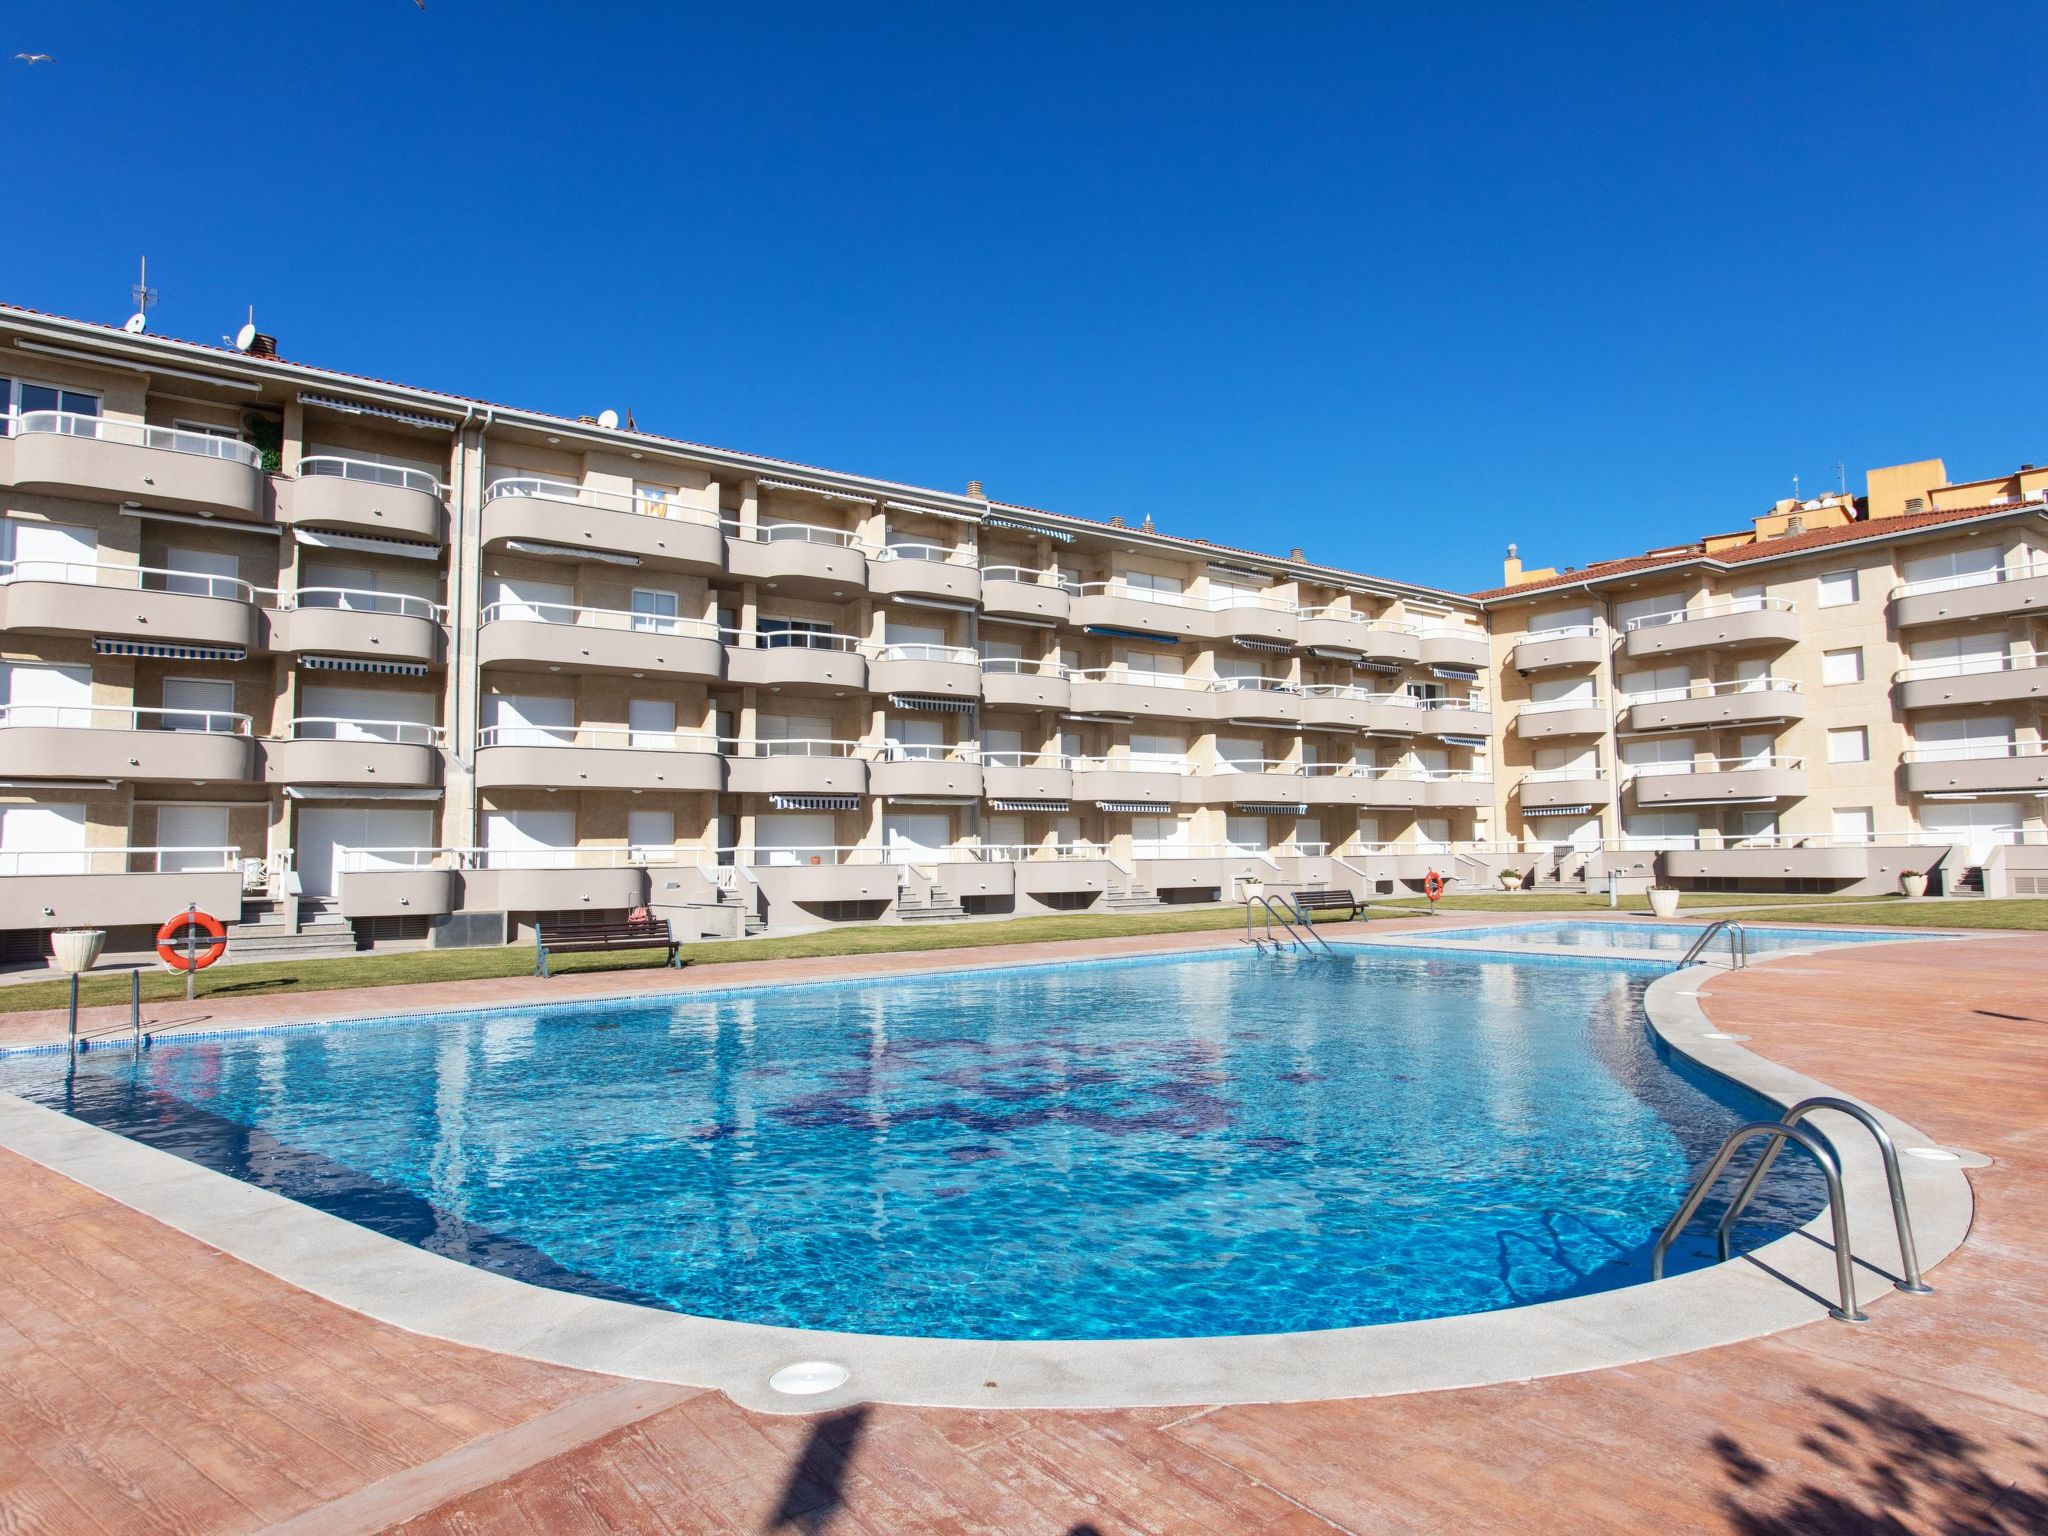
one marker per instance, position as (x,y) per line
(1881,1467)
(816,1488)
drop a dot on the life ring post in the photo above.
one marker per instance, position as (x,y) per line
(190,942)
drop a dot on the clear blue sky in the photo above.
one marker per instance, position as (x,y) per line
(1399,284)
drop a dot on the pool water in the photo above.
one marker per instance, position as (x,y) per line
(1226,1143)
(1672,939)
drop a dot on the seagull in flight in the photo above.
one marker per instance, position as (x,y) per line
(35,58)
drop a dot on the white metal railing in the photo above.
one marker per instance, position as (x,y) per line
(927,752)
(519,610)
(119,861)
(1562,632)
(1719,608)
(1229,765)
(1451,632)
(539,488)
(1709,690)
(136,434)
(1713,765)
(1396,771)
(1360,621)
(338,466)
(1253,685)
(129,578)
(1454,775)
(1025,575)
(1116,587)
(795,640)
(842,853)
(934,554)
(1029,853)
(1022,666)
(1154,848)
(1474,705)
(1972,751)
(2022,570)
(1142,763)
(1970,666)
(1559,706)
(793,533)
(1025,759)
(124,717)
(411,733)
(361,600)
(1360,695)
(1560,775)
(544,858)
(1224,602)
(790,746)
(347,859)
(1141,679)
(615,737)
(921,652)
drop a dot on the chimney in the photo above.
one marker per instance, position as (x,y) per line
(1116,520)
(262,344)
(1795,524)
(974,489)
(1297,556)
(1511,568)
(1146,526)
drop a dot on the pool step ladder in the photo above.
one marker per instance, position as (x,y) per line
(1302,937)
(1738,944)
(1780,1131)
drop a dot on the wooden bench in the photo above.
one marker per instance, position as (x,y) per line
(602,939)
(1320,899)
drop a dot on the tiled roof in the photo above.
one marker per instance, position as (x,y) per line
(1763,549)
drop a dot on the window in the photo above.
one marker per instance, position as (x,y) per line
(1159,751)
(655,612)
(1644,612)
(651,722)
(198,704)
(1653,687)
(1854,823)
(1843,666)
(804,634)
(1147,581)
(647,831)
(1850,744)
(17,399)
(1563,618)
(1837,589)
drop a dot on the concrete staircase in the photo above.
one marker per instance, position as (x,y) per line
(1138,898)
(936,906)
(263,934)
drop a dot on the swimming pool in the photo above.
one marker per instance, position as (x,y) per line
(1674,939)
(1224,1143)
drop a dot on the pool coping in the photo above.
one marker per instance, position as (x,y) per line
(1779,1286)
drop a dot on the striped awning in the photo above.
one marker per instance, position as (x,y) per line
(1269,808)
(1278,647)
(932,702)
(1557,810)
(363,664)
(1131,807)
(1461,674)
(168,652)
(1111,632)
(1028,805)
(997,520)
(356,408)
(1464,741)
(320,538)
(815,802)
(1335,653)
(1389,667)
(826,491)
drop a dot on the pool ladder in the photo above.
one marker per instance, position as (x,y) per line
(1738,944)
(1787,1128)
(1302,937)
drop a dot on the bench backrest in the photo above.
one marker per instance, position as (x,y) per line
(650,928)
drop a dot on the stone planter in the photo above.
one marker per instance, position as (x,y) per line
(74,950)
(1663,901)
(1913,883)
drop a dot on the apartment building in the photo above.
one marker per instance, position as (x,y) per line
(351,662)
(1838,693)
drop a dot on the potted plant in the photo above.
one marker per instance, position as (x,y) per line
(1251,887)
(1510,879)
(1913,882)
(74,950)
(1664,900)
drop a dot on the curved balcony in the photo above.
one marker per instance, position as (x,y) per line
(1553,719)
(1273,781)
(326,750)
(1978,767)
(795,767)
(549,518)
(1998,593)
(1719,781)
(1153,695)
(554,637)
(1123,781)
(342,621)
(798,558)
(67,597)
(1346,706)
(1254,618)
(938,671)
(924,570)
(1737,624)
(96,741)
(100,459)
(1455,648)
(1570,645)
(1009,682)
(1016,592)
(551,879)
(1760,701)
(597,757)
(1340,631)
(913,771)
(1454,717)
(1026,776)
(792,662)
(1138,610)
(359,496)
(2014,678)
(1357,784)
(1554,789)
(1257,700)
(1457,788)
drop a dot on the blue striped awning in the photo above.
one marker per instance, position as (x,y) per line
(1279,647)
(1110,632)
(1269,808)
(1131,807)
(1464,741)
(815,802)
(168,652)
(930,702)
(1028,805)
(1557,810)
(997,520)
(359,664)
(1461,674)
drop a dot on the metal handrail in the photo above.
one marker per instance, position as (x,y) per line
(1738,944)
(340,466)
(1909,1255)
(1273,915)
(1838,1210)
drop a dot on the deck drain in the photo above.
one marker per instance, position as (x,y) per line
(808,1377)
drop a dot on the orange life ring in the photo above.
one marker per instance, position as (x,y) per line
(170,940)
(1433,886)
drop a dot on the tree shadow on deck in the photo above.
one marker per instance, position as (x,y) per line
(1886,1469)
(817,1478)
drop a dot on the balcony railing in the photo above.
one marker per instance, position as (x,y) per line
(1970,666)
(360,600)
(1137,763)
(618,737)
(517,610)
(1696,690)
(1254,685)
(135,434)
(1561,775)
(2023,570)
(1229,765)
(634,502)
(1025,575)
(794,640)
(1714,610)
(1023,666)
(1361,695)
(934,554)
(927,752)
(1713,765)
(1025,759)
(791,746)
(129,578)
(1032,853)
(1559,706)
(119,861)
(370,472)
(1972,751)
(921,652)
(124,717)
(793,533)
(410,733)
(1142,679)
(1562,632)
(1400,772)
(1378,626)
(1478,705)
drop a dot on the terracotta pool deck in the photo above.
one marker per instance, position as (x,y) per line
(149,1383)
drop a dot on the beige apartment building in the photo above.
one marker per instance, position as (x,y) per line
(346,662)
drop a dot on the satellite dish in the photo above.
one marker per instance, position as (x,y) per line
(245,338)
(609,420)
(137,323)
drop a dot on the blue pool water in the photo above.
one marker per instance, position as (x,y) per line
(1220,1144)
(1646,938)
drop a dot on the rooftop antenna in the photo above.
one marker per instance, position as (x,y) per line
(145,299)
(1841,477)
(1795,487)
(245,338)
